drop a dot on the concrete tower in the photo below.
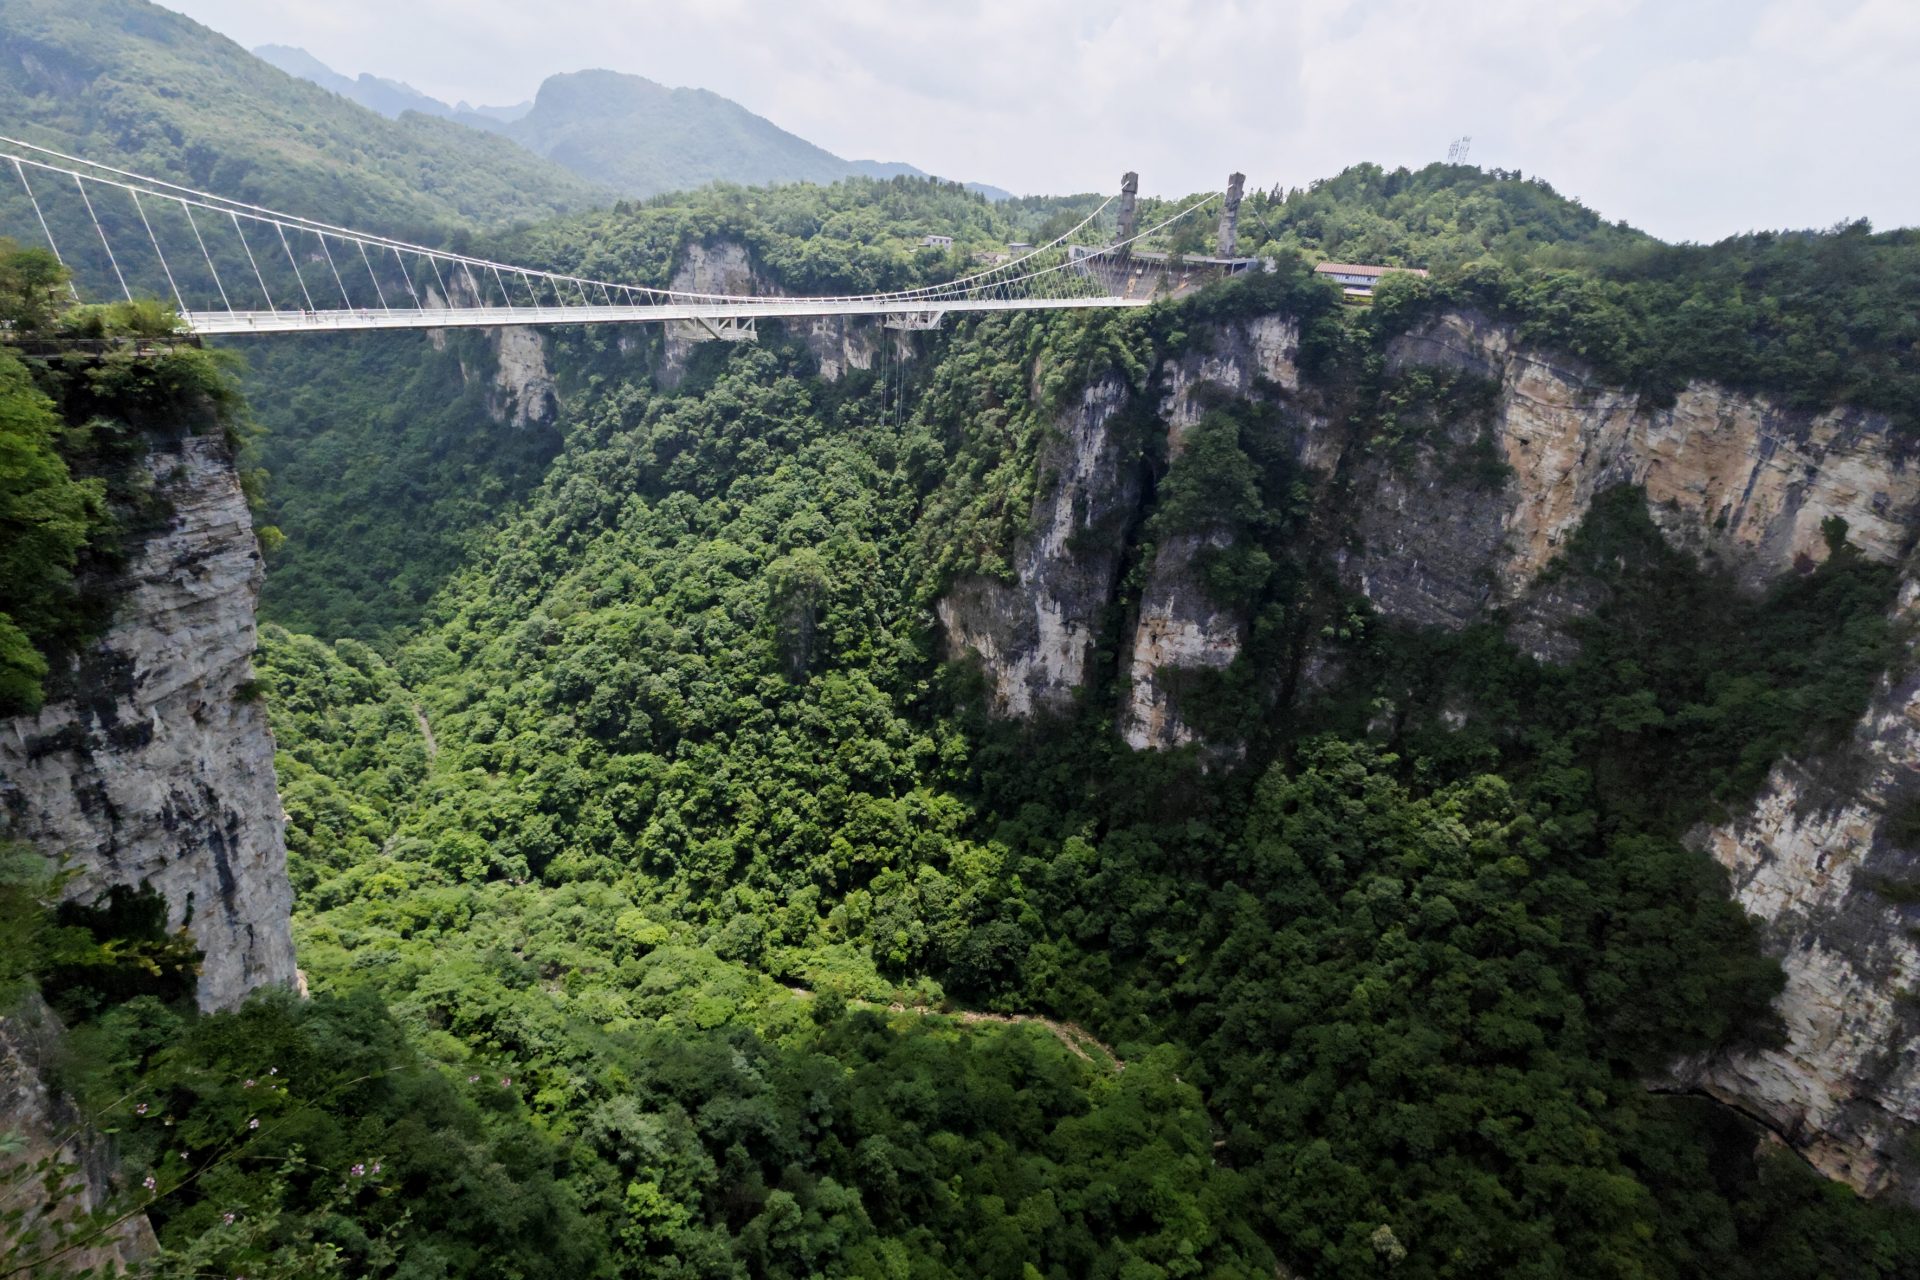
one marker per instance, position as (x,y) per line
(1230,215)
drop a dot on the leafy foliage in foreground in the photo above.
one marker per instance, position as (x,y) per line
(74,423)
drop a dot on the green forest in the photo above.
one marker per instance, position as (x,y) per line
(672,906)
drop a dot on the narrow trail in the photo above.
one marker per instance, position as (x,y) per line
(426,730)
(1076,1038)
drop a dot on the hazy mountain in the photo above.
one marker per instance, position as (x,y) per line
(462,109)
(388,97)
(630,133)
(391,98)
(131,83)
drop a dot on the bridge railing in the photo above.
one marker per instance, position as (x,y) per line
(232,266)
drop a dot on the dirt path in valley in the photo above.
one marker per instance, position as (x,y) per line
(1077,1038)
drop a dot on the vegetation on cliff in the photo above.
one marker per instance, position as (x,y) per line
(649,859)
(687,729)
(74,422)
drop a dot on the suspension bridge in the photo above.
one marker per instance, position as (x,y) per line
(234,268)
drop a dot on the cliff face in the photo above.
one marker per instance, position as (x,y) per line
(1179,629)
(1826,859)
(1726,474)
(1034,636)
(724,267)
(1178,626)
(151,763)
(522,392)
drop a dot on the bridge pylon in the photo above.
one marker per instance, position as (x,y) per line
(1229,238)
(1129,193)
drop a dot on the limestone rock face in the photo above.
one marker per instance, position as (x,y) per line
(843,343)
(1231,364)
(1728,476)
(1179,629)
(522,393)
(1035,635)
(1815,861)
(151,763)
(722,267)
(1725,473)
(1425,543)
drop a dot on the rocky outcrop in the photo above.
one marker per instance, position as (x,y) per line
(722,267)
(1035,635)
(841,343)
(1179,630)
(151,762)
(717,267)
(1726,474)
(1233,361)
(1456,527)
(1423,540)
(1178,626)
(1826,860)
(49,1135)
(522,393)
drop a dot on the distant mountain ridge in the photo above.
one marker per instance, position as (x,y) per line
(634,135)
(131,83)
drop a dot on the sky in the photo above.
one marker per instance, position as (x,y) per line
(1693,119)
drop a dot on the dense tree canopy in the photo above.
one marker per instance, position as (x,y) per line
(656,874)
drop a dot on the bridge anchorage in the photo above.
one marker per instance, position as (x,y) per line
(714,329)
(913,320)
(232,268)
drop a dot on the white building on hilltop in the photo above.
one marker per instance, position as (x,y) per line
(1357,280)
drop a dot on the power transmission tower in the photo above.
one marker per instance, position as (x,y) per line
(1457,153)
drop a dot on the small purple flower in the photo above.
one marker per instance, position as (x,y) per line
(140,1110)
(227,1218)
(376,1167)
(254,1123)
(249,1084)
(148,1182)
(273,1071)
(359,1171)
(505,1081)
(473,1079)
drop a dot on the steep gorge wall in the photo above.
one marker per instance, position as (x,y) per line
(151,762)
(1731,477)
(838,343)
(1727,474)
(1825,858)
(1035,635)
(1178,627)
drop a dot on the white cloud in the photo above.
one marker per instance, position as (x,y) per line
(1693,118)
